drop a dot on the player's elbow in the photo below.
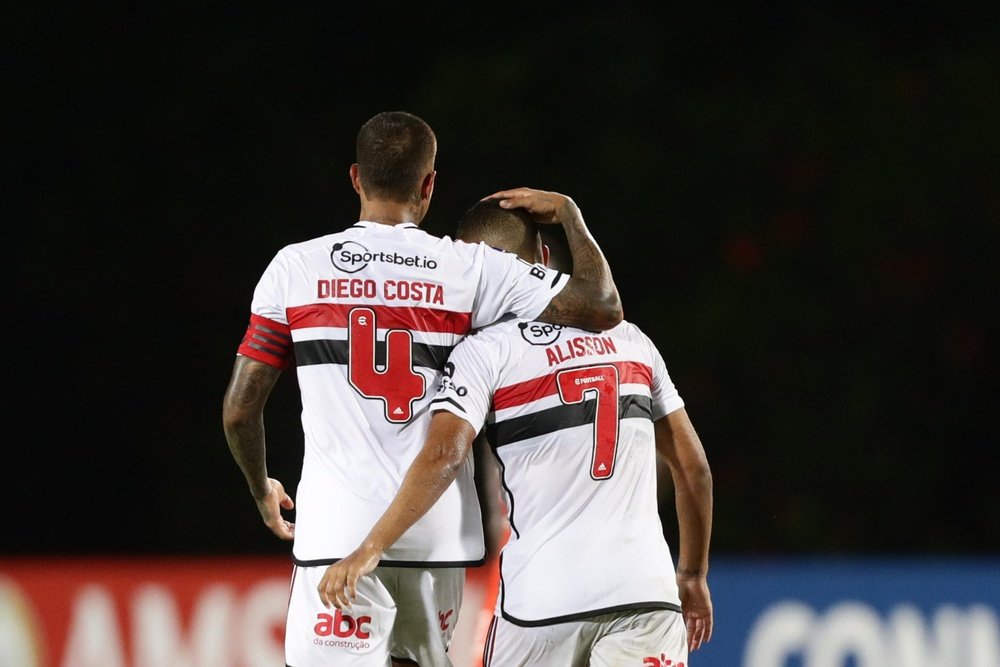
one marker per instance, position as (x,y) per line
(699,478)
(691,475)
(440,464)
(606,312)
(236,417)
(588,304)
(612,313)
(231,423)
(450,459)
(449,441)
(605,306)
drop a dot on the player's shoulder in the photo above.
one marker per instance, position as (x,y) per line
(515,327)
(481,250)
(440,245)
(309,245)
(632,337)
(490,344)
(295,253)
(628,331)
(448,244)
(498,331)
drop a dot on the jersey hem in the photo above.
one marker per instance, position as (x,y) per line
(589,614)
(425,564)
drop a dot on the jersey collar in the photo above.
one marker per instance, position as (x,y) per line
(368,224)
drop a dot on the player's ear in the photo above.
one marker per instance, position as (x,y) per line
(427,187)
(355,181)
(545,254)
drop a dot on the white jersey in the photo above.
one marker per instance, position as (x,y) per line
(569,415)
(369,316)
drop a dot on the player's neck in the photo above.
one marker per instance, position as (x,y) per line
(391,213)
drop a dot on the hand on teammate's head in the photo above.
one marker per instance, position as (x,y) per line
(544,206)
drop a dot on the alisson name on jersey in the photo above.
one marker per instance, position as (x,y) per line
(390,290)
(581,346)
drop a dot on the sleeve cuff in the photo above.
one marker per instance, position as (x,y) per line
(452,406)
(267,341)
(664,408)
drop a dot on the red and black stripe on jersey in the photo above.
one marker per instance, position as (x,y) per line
(522,393)
(561,417)
(548,420)
(267,341)
(312,352)
(331,351)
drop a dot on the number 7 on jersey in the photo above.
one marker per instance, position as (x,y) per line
(579,384)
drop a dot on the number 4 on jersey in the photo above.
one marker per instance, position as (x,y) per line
(574,386)
(398,385)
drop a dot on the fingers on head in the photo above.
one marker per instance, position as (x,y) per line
(516,193)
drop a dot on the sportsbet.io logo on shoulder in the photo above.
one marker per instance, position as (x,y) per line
(540,333)
(351,257)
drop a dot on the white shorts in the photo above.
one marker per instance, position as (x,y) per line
(401,612)
(636,638)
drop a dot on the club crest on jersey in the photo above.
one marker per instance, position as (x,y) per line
(351,257)
(540,333)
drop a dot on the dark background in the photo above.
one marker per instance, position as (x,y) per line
(800,204)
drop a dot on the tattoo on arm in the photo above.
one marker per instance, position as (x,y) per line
(571,307)
(243,419)
(590,298)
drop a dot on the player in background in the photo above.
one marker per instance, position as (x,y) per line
(575,419)
(369,315)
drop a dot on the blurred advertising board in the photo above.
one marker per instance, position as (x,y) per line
(120,612)
(892,612)
(229,612)
(171,612)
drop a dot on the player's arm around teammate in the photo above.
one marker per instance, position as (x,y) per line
(449,440)
(590,299)
(678,443)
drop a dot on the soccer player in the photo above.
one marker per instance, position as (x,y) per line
(575,419)
(369,316)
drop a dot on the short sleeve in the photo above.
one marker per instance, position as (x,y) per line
(269,295)
(665,397)
(468,381)
(508,284)
(268,337)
